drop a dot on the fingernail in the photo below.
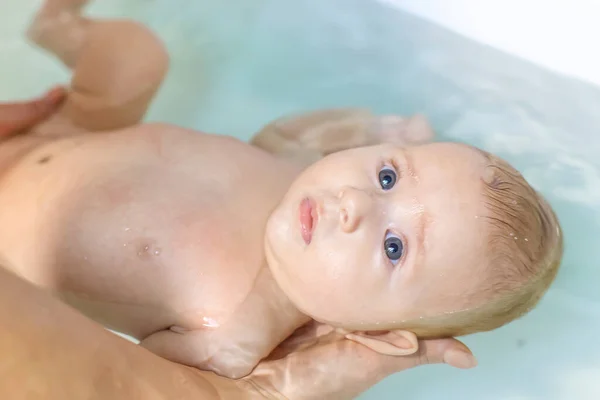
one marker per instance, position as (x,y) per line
(460,359)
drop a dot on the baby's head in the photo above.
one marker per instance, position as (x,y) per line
(440,240)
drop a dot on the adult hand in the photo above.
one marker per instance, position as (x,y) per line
(318,363)
(51,351)
(18,117)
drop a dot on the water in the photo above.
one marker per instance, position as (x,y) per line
(235,67)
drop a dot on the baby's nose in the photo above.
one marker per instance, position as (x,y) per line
(354,204)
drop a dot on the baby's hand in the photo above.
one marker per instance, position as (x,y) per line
(369,130)
(207,350)
(410,131)
(310,136)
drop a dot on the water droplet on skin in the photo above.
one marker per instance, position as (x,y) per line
(527,240)
(516,238)
(146,248)
(511,234)
(124,244)
(156,252)
(209,322)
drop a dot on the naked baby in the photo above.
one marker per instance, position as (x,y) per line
(212,251)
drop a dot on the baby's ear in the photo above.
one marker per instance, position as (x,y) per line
(391,343)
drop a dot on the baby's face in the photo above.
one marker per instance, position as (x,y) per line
(379,235)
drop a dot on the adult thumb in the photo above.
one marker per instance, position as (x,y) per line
(435,351)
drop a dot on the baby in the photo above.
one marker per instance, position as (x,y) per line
(212,251)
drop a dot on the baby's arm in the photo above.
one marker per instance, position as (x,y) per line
(319,133)
(118,65)
(233,350)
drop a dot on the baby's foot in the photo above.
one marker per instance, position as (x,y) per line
(52,15)
(54,7)
(59,28)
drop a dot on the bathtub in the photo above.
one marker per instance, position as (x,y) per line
(519,79)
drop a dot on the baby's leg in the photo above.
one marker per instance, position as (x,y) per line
(118,65)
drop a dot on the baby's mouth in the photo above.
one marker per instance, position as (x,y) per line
(308,219)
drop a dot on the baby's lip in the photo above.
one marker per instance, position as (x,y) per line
(308,218)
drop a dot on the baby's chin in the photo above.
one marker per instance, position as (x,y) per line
(276,237)
(278,251)
(322,309)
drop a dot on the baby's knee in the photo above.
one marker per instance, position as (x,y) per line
(120,56)
(138,43)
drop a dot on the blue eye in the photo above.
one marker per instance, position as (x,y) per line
(387,178)
(393,247)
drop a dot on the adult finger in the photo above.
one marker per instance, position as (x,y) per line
(17,117)
(343,369)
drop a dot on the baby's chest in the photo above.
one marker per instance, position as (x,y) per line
(184,248)
(158,230)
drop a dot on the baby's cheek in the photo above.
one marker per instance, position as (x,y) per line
(334,274)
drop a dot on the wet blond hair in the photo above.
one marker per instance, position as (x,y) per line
(524,252)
